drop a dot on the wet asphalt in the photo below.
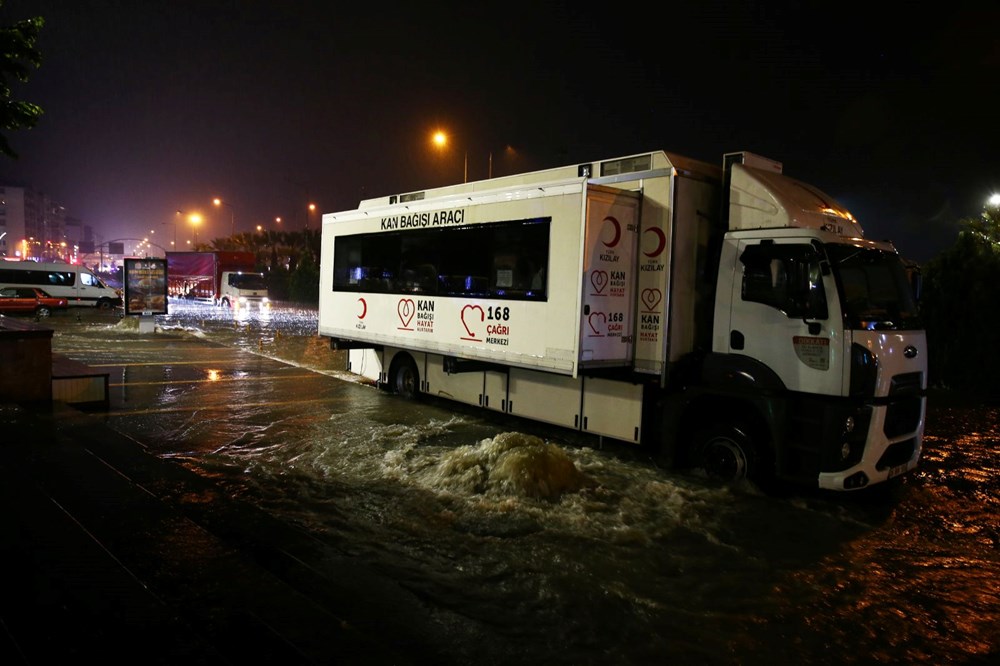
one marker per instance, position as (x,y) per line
(112,553)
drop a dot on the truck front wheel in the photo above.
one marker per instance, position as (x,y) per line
(727,453)
(404,378)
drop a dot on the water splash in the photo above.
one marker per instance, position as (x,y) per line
(512,463)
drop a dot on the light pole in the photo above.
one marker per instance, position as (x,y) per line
(232,214)
(440,140)
(195,220)
(309,212)
(173,243)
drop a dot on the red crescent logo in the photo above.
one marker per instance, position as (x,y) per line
(661,241)
(618,231)
(364,308)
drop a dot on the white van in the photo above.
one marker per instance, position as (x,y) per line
(77,284)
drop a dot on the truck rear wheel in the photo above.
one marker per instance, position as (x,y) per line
(727,452)
(404,378)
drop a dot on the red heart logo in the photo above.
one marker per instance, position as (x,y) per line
(604,321)
(651,298)
(482,316)
(405,309)
(599,279)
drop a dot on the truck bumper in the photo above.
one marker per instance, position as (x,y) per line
(888,453)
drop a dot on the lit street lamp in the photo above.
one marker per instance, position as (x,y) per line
(312,209)
(440,140)
(232,214)
(195,220)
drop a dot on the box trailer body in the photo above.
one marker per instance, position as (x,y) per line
(219,277)
(653,299)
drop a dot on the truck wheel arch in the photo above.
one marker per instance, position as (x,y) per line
(404,377)
(727,438)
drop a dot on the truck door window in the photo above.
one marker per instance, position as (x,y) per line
(786,277)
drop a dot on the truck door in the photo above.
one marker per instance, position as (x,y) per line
(780,314)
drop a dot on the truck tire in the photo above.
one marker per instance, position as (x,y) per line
(404,379)
(104,304)
(728,453)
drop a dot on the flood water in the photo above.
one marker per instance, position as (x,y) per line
(528,545)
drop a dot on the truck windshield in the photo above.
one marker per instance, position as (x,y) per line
(247,281)
(874,289)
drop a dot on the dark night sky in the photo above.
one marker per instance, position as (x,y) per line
(152,107)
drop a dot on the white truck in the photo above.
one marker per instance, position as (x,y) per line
(733,318)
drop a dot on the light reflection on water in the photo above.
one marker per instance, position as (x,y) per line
(545,550)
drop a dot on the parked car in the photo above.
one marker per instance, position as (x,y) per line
(29,300)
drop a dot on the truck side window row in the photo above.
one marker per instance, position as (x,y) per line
(506,260)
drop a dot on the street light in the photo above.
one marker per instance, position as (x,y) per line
(195,220)
(312,209)
(994,200)
(441,140)
(232,214)
(173,243)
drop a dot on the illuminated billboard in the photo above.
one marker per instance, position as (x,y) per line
(145,285)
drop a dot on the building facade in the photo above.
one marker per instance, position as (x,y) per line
(35,227)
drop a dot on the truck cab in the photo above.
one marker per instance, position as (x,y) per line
(818,328)
(243,289)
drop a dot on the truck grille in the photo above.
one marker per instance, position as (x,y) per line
(903,413)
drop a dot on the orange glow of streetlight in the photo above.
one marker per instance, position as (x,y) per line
(195,220)
(441,140)
(309,212)
(232,214)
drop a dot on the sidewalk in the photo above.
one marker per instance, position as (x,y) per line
(112,553)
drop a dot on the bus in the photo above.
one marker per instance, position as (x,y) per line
(77,284)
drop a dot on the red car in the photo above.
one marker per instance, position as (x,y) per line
(29,300)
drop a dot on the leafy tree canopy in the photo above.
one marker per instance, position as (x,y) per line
(18,57)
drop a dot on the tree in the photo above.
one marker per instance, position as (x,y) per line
(18,56)
(959,308)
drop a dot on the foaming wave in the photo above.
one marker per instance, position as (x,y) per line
(511,463)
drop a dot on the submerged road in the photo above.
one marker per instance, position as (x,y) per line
(242,500)
(113,552)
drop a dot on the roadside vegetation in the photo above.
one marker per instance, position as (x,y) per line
(289,260)
(959,306)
